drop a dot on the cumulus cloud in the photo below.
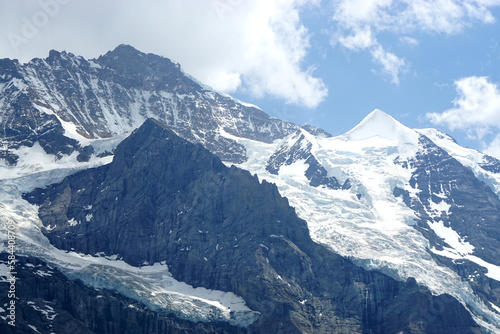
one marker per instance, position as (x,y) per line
(391,64)
(363,39)
(257,46)
(476,110)
(440,16)
(355,18)
(477,107)
(359,39)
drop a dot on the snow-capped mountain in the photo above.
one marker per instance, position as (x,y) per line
(409,203)
(64,101)
(418,205)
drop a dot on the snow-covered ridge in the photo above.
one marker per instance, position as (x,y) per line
(367,222)
(97,99)
(151,285)
(470,158)
(34,161)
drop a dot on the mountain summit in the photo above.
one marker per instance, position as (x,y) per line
(64,101)
(380,124)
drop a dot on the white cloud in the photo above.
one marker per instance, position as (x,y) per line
(391,64)
(440,16)
(258,46)
(403,17)
(354,13)
(409,41)
(363,39)
(477,108)
(476,111)
(360,39)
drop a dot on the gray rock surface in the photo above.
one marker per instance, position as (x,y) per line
(474,212)
(165,199)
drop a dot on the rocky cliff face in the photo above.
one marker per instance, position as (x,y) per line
(63,97)
(298,149)
(449,191)
(165,199)
(458,210)
(22,124)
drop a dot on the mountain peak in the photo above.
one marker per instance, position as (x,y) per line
(125,49)
(379,114)
(381,124)
(127,53)
(57,56)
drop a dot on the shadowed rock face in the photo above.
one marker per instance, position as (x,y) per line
(474,209)
(165,199)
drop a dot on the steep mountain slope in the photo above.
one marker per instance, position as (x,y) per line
(164,199)
(395,215)
(408,203)
(114,94)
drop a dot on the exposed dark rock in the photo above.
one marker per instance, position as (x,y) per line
(474,209)
(297,149)
(10,158)
(316,131)
(474,212)
(399,192)
(476,276)
(491,164)
(112,95)
(85,153)
(164,199)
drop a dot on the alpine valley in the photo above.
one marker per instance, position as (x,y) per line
(142,201)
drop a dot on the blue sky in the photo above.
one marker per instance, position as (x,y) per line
(435,61)
(428,63)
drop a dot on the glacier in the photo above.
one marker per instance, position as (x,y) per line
(363,221)
(367,223)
